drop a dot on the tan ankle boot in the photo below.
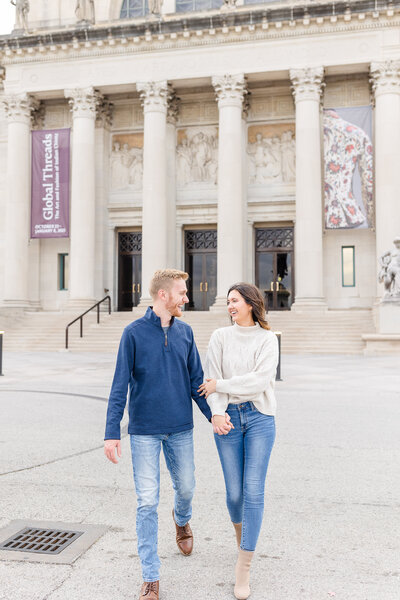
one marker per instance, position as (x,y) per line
(242,572)
(238,531)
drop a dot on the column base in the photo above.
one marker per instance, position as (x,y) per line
(15,305)
(309,305)
(79,305)
(219,305)
(145,302)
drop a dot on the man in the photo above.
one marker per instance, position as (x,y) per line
(159,361)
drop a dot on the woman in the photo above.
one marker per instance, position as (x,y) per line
(240,368)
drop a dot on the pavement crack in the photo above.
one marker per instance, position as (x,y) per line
(71,572)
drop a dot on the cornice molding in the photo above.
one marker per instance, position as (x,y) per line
(192,39)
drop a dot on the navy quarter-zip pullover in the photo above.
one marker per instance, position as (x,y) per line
(162,370)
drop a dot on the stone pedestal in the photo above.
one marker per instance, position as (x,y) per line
(83,104)
(230,90)
(307,90)
(155,198)
(18,109)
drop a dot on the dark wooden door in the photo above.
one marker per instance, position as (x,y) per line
(274,266)
(129,269)
(201,264)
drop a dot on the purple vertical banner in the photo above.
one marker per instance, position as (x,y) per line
(50,183)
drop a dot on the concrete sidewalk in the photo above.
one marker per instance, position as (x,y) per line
(331,527)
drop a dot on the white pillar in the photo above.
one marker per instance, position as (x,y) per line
(230,90)
(172,116)
(18,109)
(307,90)
(155,198)
(386,86)
(83,104)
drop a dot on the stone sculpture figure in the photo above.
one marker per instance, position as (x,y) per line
(265,164)
(22,10)
(197,157)
(288,149)
(389,273)
(84,10)
(155,7)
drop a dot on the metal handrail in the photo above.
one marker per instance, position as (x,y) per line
(80,318)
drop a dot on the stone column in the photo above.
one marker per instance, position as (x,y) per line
(83,102)
(230,91)
(155,198)
(172,117)
(307,91)
(386,87)
(18,109)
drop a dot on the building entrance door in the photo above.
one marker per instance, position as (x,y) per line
(274,266)
(129,269)
(201,264)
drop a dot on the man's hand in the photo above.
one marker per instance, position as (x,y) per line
(109,450)
(222,424)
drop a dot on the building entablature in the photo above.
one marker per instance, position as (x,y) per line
(274,21)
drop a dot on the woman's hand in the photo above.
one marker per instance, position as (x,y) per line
(208,387)
(222,424)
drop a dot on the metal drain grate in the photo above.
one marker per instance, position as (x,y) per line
(40,541)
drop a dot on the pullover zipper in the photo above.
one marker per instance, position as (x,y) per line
(166,340)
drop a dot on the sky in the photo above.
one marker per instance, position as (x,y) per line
(7,16)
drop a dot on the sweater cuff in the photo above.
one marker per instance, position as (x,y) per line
(216,405)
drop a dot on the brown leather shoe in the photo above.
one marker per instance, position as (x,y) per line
(184,537)
(150,590)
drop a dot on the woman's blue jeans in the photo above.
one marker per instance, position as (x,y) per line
(178,453)
(244,454)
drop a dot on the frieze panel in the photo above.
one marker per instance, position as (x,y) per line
(196,112)
(271,152)
(127,116)
(127,162)
(347,93)
(197,156)
(281,106)
(57,117)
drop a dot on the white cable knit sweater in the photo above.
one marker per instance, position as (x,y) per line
(243,360)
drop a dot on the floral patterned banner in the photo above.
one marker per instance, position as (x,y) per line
(348,167)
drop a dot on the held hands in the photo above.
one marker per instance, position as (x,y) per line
(109,450)
(208,387)
(222,424)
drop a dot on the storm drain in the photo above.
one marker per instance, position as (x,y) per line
(40,541)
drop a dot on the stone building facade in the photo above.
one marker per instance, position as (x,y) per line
(197,142)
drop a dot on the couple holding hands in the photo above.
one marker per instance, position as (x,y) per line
(160,365)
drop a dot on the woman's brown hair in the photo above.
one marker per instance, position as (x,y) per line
(252,296)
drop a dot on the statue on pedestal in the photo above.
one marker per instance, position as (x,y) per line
(84,11)
(22,10)
(155,7)
(228,5)
(389,273)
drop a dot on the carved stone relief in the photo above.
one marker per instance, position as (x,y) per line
(127,162)
(352,92)
(389,273)
(271,154)
(197,156)
(198,112)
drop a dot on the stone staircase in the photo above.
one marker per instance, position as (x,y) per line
(326,332)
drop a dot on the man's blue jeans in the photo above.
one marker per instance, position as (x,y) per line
(244,453)
(178,452)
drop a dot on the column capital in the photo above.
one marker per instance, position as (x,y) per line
(154,95)
(307,84)
(19,107)
(230,89)
(172,106)
(83,101)
(385,77)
